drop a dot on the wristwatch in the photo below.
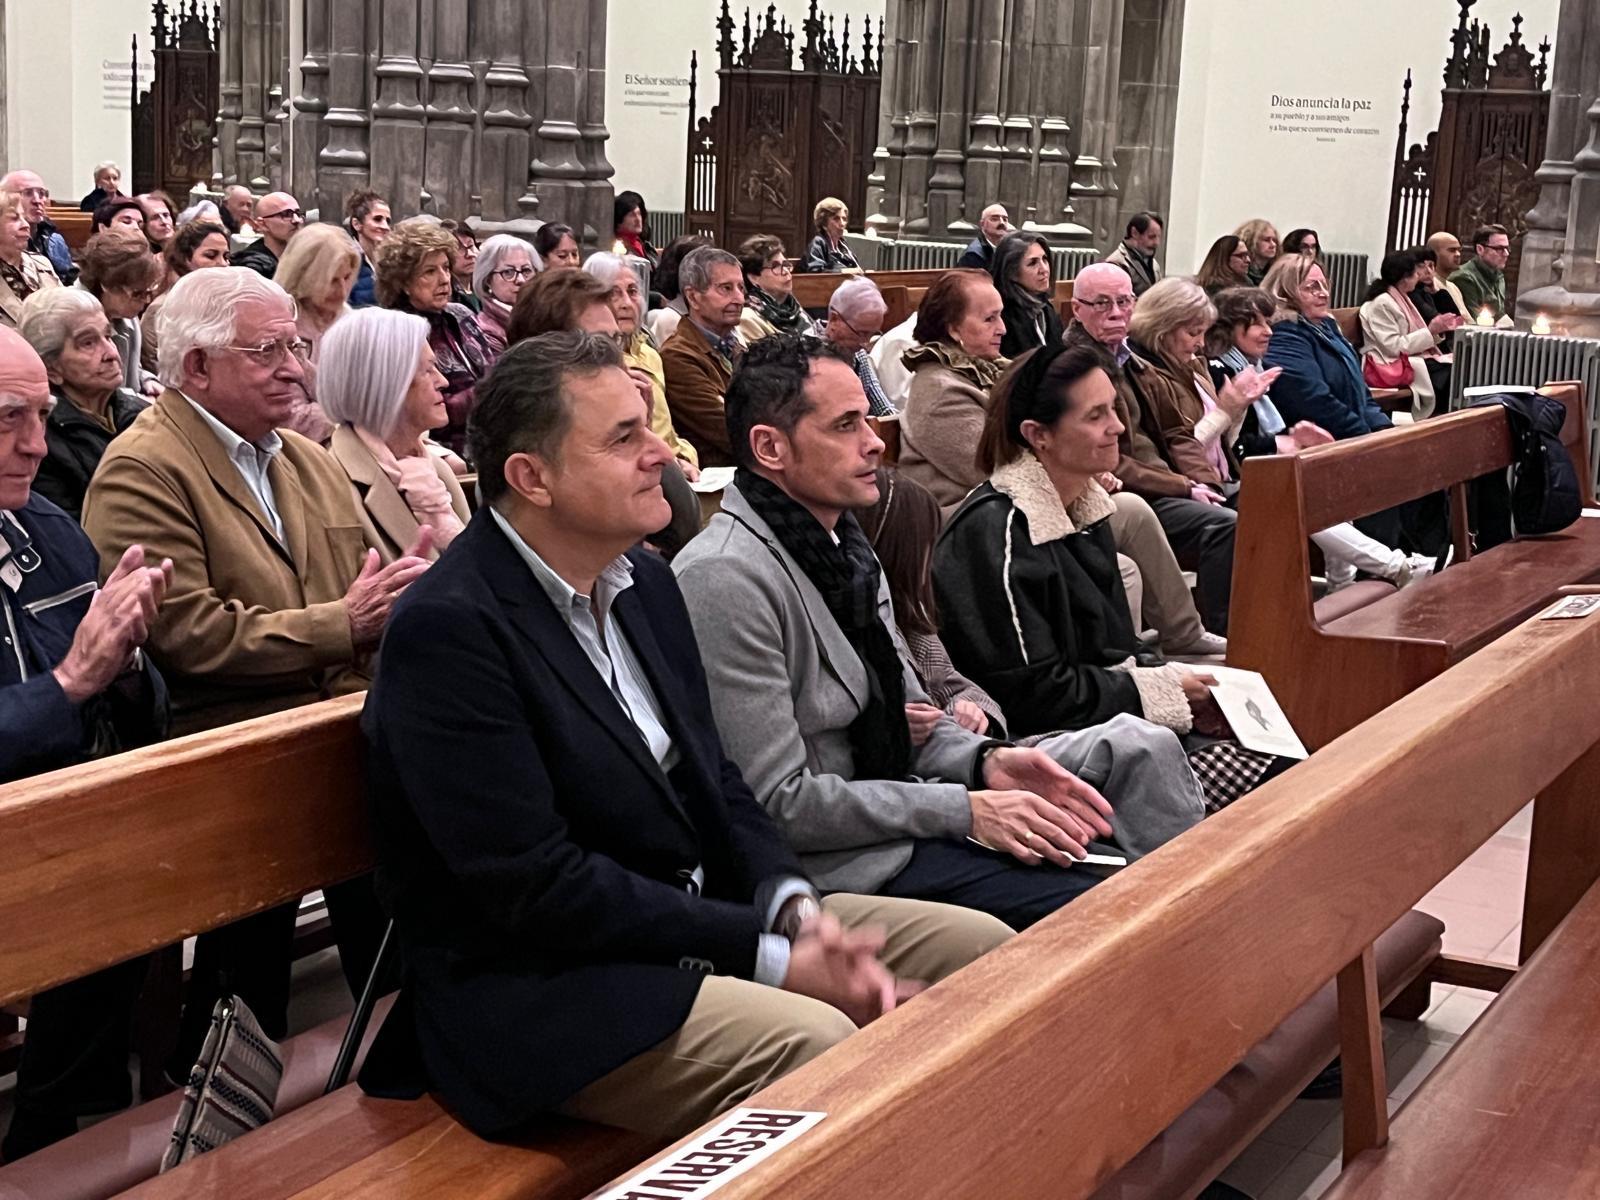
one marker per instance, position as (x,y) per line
(794,914)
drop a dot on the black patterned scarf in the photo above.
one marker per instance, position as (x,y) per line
(785,314)
(847,574)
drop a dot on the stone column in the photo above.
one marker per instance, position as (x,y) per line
(342,156)
(985,139)
(1094,177)
(1014,187)
(557,36)
(1577,63)
(1560,272)
(398,132)
(1152,41)
(449,169)
(230,66)
(275,110)
(921,123)
(254,30)
(599,194)
(947,184)
(895,69)
(505,146)
(309,110)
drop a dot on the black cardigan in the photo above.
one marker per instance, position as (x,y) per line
(1022,329)
(1037,627)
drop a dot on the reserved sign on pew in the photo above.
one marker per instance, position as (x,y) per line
(738,1141)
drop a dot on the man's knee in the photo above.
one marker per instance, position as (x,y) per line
(803,1032)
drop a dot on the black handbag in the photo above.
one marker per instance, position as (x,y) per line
(1545,493)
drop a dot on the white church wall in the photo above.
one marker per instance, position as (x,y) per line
(1240,152)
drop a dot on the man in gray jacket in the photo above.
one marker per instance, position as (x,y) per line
(809,681)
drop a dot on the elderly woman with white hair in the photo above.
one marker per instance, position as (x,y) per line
(505,263)
(69,331)
(379,382)
(855,317)
(626,301)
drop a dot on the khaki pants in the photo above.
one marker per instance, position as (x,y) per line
(1164,602)
(740,1036)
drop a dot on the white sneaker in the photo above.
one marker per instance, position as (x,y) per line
(1206,644)
(1416,568)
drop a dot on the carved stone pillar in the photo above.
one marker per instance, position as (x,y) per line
(1560,273)
(1152,42)
(275,68)
(254,37)
(1094,176)
(398,136)
(947,184)
(343,145)
(599,194)
(309,110)
(505,146)
(229,92)
(985,138)
(557,41)
(449,170)
(895,69)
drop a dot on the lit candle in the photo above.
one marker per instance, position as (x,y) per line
(1541,324)
(1485,318)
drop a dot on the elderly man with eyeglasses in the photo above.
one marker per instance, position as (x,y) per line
(275,600)
(278,217)
(1196,519)
(855,318)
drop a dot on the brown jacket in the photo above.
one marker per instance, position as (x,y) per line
(942,422)
(1176,408)
(1145,466)
(387,522)
(35,267)
(697,379)
(250,626)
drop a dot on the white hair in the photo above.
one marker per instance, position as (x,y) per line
(857,297)
(365,366)
(48,317)
(608,268)
(201,313)
(108,165)
(493,253)
(205,210)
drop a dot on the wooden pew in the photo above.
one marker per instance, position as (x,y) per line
(1045,1067)
(1391,400)
(112,859)
(73,224)
(1332,675)
(814,291)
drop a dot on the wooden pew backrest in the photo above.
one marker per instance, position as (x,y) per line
(149,847)
(987,1085)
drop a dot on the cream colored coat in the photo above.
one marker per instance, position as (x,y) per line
(387,522)
(34,267)
(1386,335)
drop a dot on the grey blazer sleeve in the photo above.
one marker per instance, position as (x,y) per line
(738,624)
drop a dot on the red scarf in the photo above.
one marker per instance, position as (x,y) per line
(633,242)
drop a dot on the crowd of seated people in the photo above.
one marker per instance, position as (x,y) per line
(836,740)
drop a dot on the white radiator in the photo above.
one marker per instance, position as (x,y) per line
(1347,277)
(1510,358)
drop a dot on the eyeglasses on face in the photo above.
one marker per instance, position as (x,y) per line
(291,214)
(514,274)
(1315,286)
(781,266)
(270,354)
(1107,303)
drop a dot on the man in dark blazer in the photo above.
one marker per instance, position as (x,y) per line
(595,915)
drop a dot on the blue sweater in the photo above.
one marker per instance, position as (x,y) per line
(1321,380)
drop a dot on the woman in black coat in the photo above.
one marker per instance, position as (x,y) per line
(1021,270)
(827,251)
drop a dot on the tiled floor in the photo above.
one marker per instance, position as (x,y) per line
(1297,1156)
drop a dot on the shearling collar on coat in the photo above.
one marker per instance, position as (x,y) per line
(1028,485)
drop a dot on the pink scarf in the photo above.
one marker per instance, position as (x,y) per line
(1216,454)
(419,486)
(1414,319)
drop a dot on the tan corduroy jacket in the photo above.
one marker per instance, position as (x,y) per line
(251,625)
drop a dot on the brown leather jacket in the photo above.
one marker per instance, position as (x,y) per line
(1146,467)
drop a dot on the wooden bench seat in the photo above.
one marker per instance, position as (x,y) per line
(1331,673)
(1514,1109)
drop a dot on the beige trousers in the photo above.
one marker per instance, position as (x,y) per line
(741,1036)
(1164,602)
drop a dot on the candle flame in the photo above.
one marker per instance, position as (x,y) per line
(1541,324)
(1485,317)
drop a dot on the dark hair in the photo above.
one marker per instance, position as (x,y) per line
(1215,272)
(1034,388)
(624,204)
(1008,256)
(754,252)
(1482,234)
(552,302)
(522,406)
(1296,237)
(1396,265)
(902,527)
(1140,222)
(358,205)
(548,236)
(108,209)
(1236,306)
(769,388)
(1424,254)
(186,241)
(945,304)
(665,277)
